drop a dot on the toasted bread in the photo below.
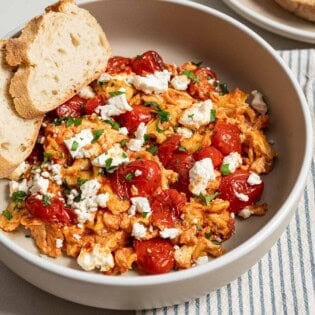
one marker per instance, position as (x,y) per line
(17,135)
(57,54)
(302,8)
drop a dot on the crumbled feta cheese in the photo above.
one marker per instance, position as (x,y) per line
(138,231)
(202,260)
(87,92)
(245,213)
(59,243)
(180,82)
(19,171)
(234,160)
(139,204)
(156,82)
(123,131)
(241,196)
(258,102)
(138,173)
(184,132)
(137,143)
(115,106)
(197,115)
(38,184)
(90,188)
(45,174)
(102,199)
(76,144)
(116,153)
(15,186)
(199,176)
(104,77)
(169,233)
(99,258)
(56,173)
(254,179)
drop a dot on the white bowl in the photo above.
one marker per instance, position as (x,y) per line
(181,31)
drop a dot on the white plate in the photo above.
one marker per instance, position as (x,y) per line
(268,15)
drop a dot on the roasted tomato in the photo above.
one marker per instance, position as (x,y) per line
(200,87)
(146,182)
(154,256)
(118,64)
(167,149)
(166,208)
(37,155)
(238,192)
(53,210)
(148,62)
(71,108)
(210,152)
(181,163)
(132,119)
(226,138)
(92,103)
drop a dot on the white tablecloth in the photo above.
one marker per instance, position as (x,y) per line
(281,283)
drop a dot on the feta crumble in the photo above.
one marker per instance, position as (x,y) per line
(202,260)
(234,160)
(137,143)
(59,243)
(254,179)
(184,132)
(15,186)
(199,176)
(116,153)
(139,204)
(87,92)
(138,231)
(245,213)
(170,233)
(38,184)
(76,144)
(197,115)
(180,82)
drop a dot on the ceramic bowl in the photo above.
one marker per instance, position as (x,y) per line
(181,31)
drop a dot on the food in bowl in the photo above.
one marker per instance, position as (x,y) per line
(143,169)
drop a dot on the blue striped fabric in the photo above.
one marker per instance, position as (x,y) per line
(283,281)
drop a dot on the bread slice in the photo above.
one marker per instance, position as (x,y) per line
(58,53)
(17,135)
(302,8)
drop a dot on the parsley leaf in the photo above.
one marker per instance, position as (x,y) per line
(18,196)
(225,169)
(208,235)
(81,181)
(47,157)
(190,75)
(123,143)
(46,200)
(116,93)
(153,149)
(97,133)
(208,198)
(144,214)
(69,121)
(74,145)
(7,214)
(113,123)
(182,148)
(129,176)
(108,166)
(212,115)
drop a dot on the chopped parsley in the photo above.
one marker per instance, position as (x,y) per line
(69,121)
(7,214)
(81,181)
(74,145)
(191,116)
(223,89)
(46,200)
(212,115)
(108,166)
(123,143)
(190,75)
(116,93)
(207,198)
(129,176)
(162,115)
(47,157)
(182,148)
(153,149)
(144,214)
(97,134)
(77,121)
(113,123)
(208,235)
(18,196)
(124,155)
(225,169)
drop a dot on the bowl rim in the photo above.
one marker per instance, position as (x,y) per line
(247,246)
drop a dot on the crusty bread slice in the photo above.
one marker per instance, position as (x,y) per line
(58,53)
(302,8)
(17,135)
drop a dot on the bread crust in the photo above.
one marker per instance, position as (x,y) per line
(302,8)
(17,144)
(19,54)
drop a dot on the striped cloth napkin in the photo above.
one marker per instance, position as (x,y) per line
(283,281)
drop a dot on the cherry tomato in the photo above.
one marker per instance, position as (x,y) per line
(210,152)
(118,64)
(54,212)
(167,149)
(132,119)
(146,183)
(148,62)
(237,183)
(181,163)
(200,86)
(71,108)
(226,138)
(166,208)
(155,256)
(92,103)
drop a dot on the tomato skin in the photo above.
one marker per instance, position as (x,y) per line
(149,62)
(118,64)
(167,149)
(181,163)
(210,152)
(201,88)
(237,182)
(92,103)
(71,108)
(226,138)
(166,208)
(132,119)
(55,212)
(155,256)
(146,183)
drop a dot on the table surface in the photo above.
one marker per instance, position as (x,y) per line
(16,295)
